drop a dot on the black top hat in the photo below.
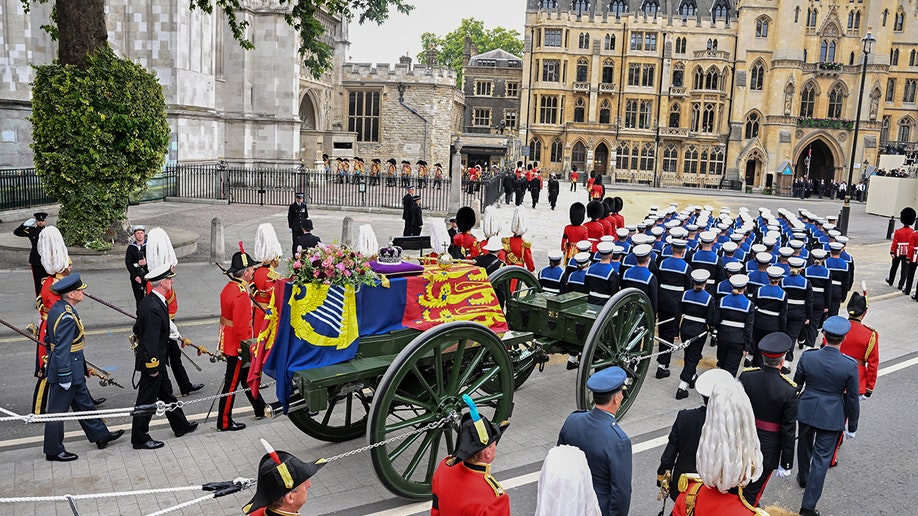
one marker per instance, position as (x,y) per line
(577,212)
(276,480)
(391,160)
(469,442)
(241,260)
(857,305)
(465,218)
(906,216)
(594,209)
(421,162)
(40,216)
(437,165)
(405,162)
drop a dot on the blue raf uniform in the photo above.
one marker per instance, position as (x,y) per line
(606,446)
(733,318)
(550,277)
(829,383)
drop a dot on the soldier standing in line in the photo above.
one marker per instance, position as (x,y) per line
(296,214)
(406,173)
(375,169)
(466,244)
(706,258)
(550,276)
(575,231)
(135,259)
(674,276)
(535,188)
(518,251)
(31,229)
(840,274)
(520,183)
(422,173)
(774,402)
(507,182)
(694,317)
(573,177)
(438,175)
(390,172)
(640,276)
(799,301)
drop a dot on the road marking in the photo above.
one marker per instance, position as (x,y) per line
(897,367)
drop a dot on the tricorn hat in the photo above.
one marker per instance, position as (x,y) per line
(907,215)
(279,473)
(857,305)
(577,213)
(241,260)
(476,433)
(594,210)
(391,160)
(465,218)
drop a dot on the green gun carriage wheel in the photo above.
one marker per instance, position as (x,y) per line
(621,336)
(344,419)
(517,283)
(424,384)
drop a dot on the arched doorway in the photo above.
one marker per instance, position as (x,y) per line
(601,158)
(578,156)
(754,166)
(307,114)
(821,161)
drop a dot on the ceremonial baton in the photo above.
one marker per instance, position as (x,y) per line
(106,303)
(105,378)
(196,366)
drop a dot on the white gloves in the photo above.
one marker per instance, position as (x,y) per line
(65,386)
(861,397)
(781,473)
(30,222)
(173,331)
(850,435)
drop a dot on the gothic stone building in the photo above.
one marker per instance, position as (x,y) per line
(491,83)
(693,91)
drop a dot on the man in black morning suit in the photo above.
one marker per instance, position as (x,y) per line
(152,356)
(829,380)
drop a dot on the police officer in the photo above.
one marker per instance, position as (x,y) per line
(601,278)
(774,402)
(770,310)
(31,229)
(640,276)
(550,276)
(695,316)
(674,278)
(733,318)
(297,213)
(829,383)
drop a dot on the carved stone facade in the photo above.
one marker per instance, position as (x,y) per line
(692,91)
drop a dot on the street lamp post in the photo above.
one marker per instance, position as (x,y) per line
(868,42)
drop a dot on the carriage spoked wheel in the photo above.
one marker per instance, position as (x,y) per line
(622,335)
(344,419)
(517,283)
(424,384)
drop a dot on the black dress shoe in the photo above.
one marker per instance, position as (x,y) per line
(103,442)
(691,383)
(888,281)
(232,428)
(681,394)
(808,512)
(98,401)
(64,456)
(572,365)
(187,430)
(149,445)
(801,483)
(662,373)
(194,388)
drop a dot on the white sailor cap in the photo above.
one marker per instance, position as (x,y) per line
(723,227)
(733,267)
(836,246)
(582,258)
(605,247)
(622,232)
(671,224)
(736,236)
(828,226)
(678,232)
(769,241)
(796,262)
(763,257)
(834,233)
(841,238)
(796,244)
(555,255)
(617,250)
(657,231)
(758,248)
(831,218)
(708,236)
(643,225)
(819,254)
(631,228)
(678,242)
(584,245)
(641,250)
(691,227)
(729,247)
(607,238)
(786,251)
(701,275)
(739,281)
(774,271)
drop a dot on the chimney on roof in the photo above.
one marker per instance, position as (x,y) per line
(431,56)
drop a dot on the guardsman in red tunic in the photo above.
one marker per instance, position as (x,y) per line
(516,250)
(236,327)
(574,232)
(898,250)
(595,229)
(464,240)
(462,483)
(268,251)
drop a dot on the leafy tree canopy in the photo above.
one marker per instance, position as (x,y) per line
(451,46)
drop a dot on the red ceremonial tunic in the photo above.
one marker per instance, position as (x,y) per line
(264,280)
(518,252)
(900,241)
(912,246)
(608,228)
(613,221)
(468,243)
(572,234)
(171,300)
(620,218)
(574,176)
(711,502)
(235,317)
(862,343)
(467,489)
(595,232)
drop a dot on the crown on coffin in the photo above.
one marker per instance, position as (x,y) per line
(391,254)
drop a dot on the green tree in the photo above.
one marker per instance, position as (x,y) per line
(99,122)
(451,46)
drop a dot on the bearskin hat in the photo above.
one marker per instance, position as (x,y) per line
(465,219)
(605,209)
(619,204)
(594,210)
(907,216)
(577,213)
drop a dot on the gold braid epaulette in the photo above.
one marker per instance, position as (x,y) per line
(788,380)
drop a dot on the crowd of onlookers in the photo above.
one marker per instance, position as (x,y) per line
(896,172)
(807,188)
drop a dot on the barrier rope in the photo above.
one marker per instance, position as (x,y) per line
(159,409)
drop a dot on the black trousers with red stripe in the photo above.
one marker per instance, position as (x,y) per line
(235,374)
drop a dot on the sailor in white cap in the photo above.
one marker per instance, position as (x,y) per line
(841,274)
(724,287)
(601,278)
(770,311)
(799,301)
(758,278)
(695,317)
(706,258)
(576,282)
(550,276)
(821,282)
(639,276)
(674,277)
(734,317)
(135,259)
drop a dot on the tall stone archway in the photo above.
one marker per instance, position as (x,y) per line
(601,158)
(822,163)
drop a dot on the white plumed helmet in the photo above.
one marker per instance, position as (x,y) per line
(490,224)
(52,250)
(267,246)
(159,249)
(367,244)
(520,223)
(439,236)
